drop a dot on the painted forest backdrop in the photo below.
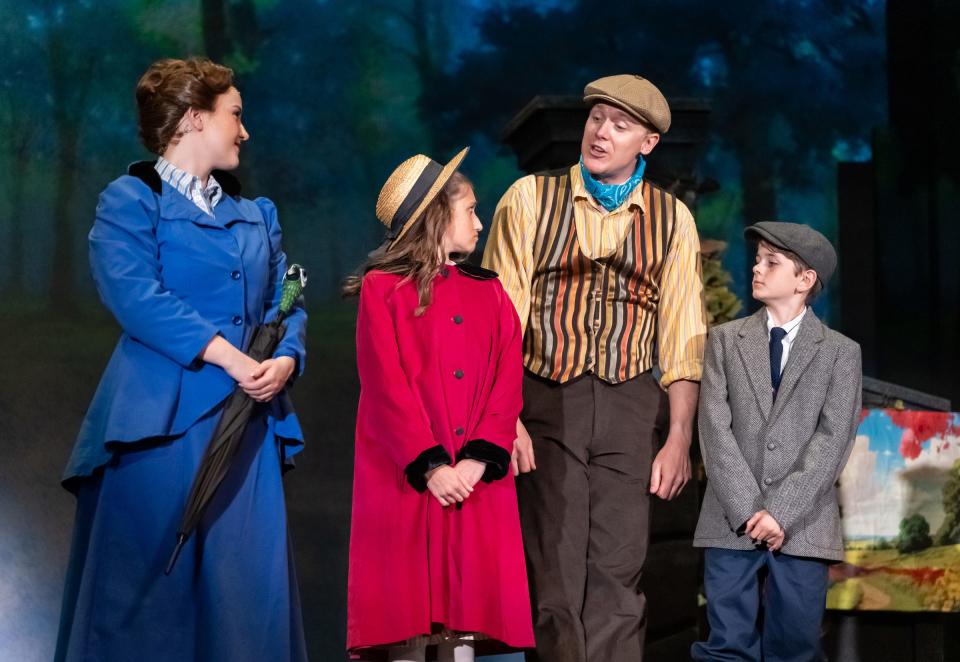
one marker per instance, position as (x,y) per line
(337,93)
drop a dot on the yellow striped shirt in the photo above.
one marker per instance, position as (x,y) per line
(625,288)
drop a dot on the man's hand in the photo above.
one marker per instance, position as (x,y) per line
(762,527)
(447,485)
(522,460)
(671,467)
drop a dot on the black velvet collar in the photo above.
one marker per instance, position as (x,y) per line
(474,271)
(145,171)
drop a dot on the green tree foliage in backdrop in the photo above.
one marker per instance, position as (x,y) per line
(949,531)
(336,94)
(914,534)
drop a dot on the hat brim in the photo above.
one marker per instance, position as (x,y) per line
(753,233)
(432,192)
(591,99)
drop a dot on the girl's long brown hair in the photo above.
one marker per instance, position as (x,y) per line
(416,255)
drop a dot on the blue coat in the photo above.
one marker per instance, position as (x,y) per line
(174,277)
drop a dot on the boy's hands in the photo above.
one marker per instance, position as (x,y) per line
(763,528)
(447,485)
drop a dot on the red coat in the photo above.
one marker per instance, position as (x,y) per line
(444,379)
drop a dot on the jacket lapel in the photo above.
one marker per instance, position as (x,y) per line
(754,351)
(804,348)
(175,205)
(228,211)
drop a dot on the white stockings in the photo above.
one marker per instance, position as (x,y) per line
(453,650)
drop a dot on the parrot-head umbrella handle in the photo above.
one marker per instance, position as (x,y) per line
(293,284)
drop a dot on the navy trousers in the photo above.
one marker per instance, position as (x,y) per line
(762,605)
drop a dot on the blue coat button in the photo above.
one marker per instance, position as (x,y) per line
(237,320)
(235,275)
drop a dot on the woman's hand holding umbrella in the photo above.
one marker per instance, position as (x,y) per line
(238,365)
(269,378)
(259,380)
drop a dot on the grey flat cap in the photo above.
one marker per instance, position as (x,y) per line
(811,246)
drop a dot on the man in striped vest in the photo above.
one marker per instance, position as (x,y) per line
(603,268)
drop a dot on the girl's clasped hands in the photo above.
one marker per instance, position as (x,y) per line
(454,484)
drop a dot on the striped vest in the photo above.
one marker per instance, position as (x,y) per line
(594,315)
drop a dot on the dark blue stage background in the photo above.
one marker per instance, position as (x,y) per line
(335,95)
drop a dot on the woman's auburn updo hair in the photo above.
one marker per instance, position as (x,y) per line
(171,87)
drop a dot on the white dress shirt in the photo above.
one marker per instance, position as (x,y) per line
(792,328)
(206,198)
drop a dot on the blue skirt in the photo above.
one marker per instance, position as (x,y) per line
(233,593)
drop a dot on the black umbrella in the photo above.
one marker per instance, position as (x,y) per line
(236,413)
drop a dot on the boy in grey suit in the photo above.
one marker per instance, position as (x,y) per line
(779,408)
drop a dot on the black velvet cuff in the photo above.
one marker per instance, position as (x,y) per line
(496,459)
(433,457)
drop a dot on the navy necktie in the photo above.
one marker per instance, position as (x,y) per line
(776,356)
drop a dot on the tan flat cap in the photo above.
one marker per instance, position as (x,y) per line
(634,94)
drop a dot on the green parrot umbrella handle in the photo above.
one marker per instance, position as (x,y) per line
(293,284)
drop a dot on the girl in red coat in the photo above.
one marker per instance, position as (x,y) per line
(435,549)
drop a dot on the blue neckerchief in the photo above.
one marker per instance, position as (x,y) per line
(611,196)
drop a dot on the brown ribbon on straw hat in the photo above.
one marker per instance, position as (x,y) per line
(410,188)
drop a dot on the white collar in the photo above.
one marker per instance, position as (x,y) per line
(790,327)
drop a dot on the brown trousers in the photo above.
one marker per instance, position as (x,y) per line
(585,514)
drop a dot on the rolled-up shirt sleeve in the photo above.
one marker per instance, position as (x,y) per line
(681,315)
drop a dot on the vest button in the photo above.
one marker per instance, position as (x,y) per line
(458,431)
(768,481)
(771,446)
(458,374)
(237,320)
(235,275)
(457,319)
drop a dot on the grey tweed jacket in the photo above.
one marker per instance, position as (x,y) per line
(784,455)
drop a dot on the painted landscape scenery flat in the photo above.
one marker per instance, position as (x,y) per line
(900,506)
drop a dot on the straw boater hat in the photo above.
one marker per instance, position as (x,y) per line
(410,188)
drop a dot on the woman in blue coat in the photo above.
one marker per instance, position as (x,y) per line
(189,268)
